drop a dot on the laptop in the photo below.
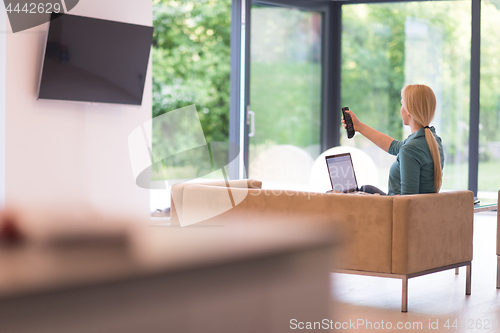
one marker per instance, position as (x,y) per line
(341,171)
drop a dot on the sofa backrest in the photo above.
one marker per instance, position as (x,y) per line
(385,234)
(363,223)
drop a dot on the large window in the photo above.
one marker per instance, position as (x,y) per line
(489,134)
(291,84)
(191,65)
(386,46)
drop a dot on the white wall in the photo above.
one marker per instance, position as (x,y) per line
(66,152)
(3,30)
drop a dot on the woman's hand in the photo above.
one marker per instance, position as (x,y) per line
(378,138)
(355,121)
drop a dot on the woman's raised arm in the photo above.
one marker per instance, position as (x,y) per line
(380,139)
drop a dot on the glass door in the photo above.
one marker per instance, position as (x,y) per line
(284,116)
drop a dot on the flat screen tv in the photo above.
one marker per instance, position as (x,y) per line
(94,60)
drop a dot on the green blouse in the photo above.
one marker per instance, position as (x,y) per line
(413,170)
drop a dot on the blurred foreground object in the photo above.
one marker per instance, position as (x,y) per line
(242,279)
(67,226)
(9,230)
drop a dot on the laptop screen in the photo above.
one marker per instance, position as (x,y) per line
(341,172)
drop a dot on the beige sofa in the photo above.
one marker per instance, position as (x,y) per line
(391,236)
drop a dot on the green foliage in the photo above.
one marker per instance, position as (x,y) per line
(373,47)
(191,61)
(489,135)
(286,113)
(191,65)
(285,79)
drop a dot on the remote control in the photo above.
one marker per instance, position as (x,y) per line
(348,121)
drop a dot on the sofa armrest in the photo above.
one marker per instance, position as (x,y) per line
(431,230)
(177,194)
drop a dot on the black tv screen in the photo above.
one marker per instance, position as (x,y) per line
(94,60)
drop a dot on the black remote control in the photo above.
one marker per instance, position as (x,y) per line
(348,121)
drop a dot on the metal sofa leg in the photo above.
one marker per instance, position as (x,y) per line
(468,279)
(456,270)
(404,299)
(498,272)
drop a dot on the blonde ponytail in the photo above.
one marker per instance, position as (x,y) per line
(436,158)
(420,102)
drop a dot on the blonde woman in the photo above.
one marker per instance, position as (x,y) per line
(420,160)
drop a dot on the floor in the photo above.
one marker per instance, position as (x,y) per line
(436,302)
